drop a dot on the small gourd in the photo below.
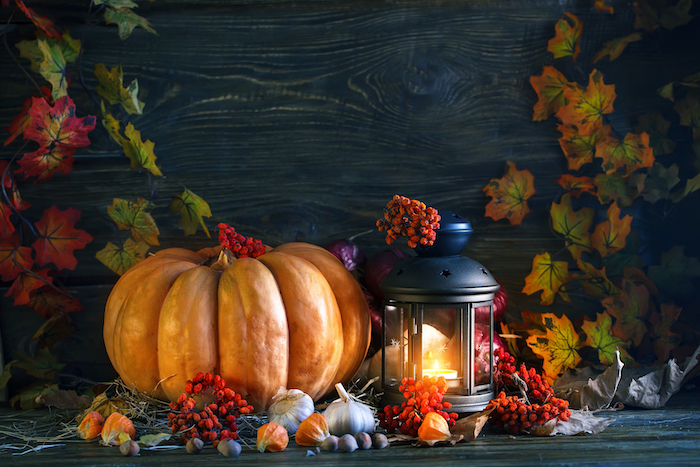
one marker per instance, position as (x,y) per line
(91,426)
(272,437)
(313,430)
(290,407)
(434,428)
(115,424)
(348,416)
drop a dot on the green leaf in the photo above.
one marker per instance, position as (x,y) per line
(42,366)
(111,87)
(191,208)
(68,46)
(154,439)
(135,216)
(53,69)
(126,20)
(120,259)
(6,374)
(599,336)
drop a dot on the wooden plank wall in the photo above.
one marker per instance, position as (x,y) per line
(300,120)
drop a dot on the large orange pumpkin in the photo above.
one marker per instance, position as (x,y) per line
(293,317)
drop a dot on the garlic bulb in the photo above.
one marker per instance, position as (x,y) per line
(289,408)
(348,416)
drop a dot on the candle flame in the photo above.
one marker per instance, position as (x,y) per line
(436,366)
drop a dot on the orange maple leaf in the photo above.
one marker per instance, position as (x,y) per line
(599,336)
(631,309)
(549,276)
(600,6)
(576,186)
(630,154)
(510,194)
(558,346)
(587,105)
(58,238)
(573,225)
(14,259)
(550,94)
(609,236)
(25,282)
(580,148)
(663,339)
(566,41)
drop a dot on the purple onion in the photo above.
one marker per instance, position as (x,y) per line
(349,253)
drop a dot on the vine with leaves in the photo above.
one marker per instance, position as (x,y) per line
(609,173)
(33,253)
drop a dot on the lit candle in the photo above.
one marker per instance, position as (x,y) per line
(437,371)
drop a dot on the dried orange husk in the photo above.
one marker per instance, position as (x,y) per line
(114,425)
(313,430)
(434,428)
(91,426)
(272,437)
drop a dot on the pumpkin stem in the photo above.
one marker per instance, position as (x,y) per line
(225,259)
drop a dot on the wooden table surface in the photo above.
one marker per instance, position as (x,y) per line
(636,437)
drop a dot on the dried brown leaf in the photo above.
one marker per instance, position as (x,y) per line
(63,399)
(470,427)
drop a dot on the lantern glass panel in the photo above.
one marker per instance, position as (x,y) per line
(395,344)
(441,343)
(483,343)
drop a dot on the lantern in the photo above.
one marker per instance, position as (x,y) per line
(438,320)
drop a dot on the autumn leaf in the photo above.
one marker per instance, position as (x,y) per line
(566,41)
(191,208)
(614,187)
(7,228)
(657,182)
(550,95)
(14,258)
(573,225)
(42,22)
(580,148)
(599,336)
(112,125)
(656,126)
(689,111)
(663,340)
(666,13)
(140,153)
(47,301)
(15,199)
(630,309)
(126,20)
(510,194)
(59,133)
(53,69)
(20,122)
(558,346)
(601,7)
(609,236)
(586,106)
(637,276)
(55,329)
(120,259)
(616,46)
(532,323)
(111,87)
(42,366)
(69,48)
(25,283)
(549,276)
(630,154)
(576,186)
(135,216)
(595,282)
(58,238)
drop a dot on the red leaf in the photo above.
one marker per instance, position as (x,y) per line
(23,120)
(14,259)
(48,302)
(8,182)
(58,238)
(40,21)
(43,163)
(58,125)
(25,283)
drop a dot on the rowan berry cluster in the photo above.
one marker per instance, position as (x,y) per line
(538,404)
(216,420)
(514,415)
(411,218)
(422,396)
(240,245)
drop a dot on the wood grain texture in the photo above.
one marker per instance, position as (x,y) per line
(297,121)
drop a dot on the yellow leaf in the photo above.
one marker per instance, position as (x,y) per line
(558,346)
(600,337)
(111,87)
(549,276)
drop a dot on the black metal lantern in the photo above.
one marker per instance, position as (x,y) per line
(438,320)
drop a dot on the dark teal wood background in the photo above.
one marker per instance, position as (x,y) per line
(298,121)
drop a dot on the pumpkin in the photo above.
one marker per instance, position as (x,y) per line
(292,317)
